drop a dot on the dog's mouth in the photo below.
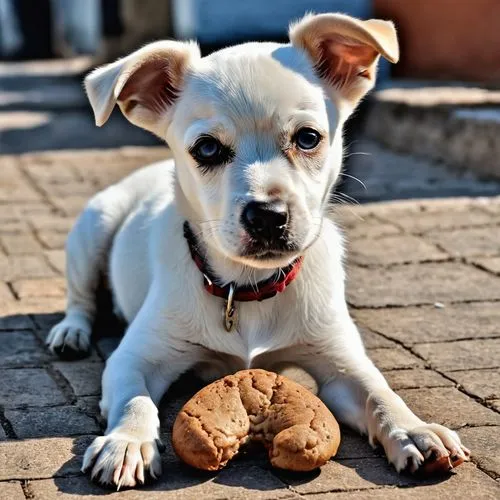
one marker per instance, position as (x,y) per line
(270,250)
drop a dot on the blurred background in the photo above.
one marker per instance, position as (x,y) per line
(431,128)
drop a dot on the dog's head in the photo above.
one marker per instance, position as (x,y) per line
(255,129)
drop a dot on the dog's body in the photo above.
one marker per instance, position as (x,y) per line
(256,136)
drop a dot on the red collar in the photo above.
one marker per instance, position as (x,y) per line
(262,290)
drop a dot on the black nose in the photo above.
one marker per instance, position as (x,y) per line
(265,221)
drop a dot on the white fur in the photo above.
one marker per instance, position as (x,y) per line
(250,96)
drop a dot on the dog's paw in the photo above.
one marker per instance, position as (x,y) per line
(70,339)
(122,460)
(425,449)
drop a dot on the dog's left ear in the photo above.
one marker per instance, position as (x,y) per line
(345,51)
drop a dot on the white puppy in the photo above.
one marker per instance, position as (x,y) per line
(224,259)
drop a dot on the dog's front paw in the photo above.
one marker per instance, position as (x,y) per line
(122,460)
(70,339)
(425,449)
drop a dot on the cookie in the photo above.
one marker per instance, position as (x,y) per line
(298,430)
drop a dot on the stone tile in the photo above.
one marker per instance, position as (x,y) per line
(410,325)
(400,249)
(368,228)
(20,348)
(14,186)
(51,223)
(90,406)
(51,422)
(179,483)
(419,284)
(353,445)
(57,260)
(19,243)
(448,406)
(372,340)
(459,217)
(485,447)
(14,322)
(393,359)
(355,474)
(24,266)
(484,384)
(468,242)
(70,205)
(491,264)
(462,354)
(42,287)
(415,378)
(5,293)
(495,404)
(34,306)
(11,491)
(42,458)
(3,436)
(28,387)
(84,377)
(467,479)
(52,240)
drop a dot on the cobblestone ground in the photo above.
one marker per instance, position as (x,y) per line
(424,286)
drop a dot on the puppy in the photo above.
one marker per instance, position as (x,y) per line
(223,259)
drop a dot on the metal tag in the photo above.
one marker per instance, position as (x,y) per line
(230,312)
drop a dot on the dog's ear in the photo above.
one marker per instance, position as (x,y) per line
(345,50)
(145,84)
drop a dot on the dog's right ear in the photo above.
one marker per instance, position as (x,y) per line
(145,84)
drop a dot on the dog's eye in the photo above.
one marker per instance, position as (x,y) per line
(209,151)
(307,138)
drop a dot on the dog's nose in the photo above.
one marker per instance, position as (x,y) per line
(265,221)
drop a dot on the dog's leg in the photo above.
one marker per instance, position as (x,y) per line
(137,375)
(87,250)
(358,395)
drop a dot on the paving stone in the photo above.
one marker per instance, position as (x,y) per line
(20,348)
(495,404)
(393,359)
(485,447)
(410,325)
(20,243)
(467,479)
(372,340)
(71,205)
(5,293)
(398,249)
(34,305)
(84,377)
(90,406)
(28,387)
(356,474)
(42,458)
(11,491)
(419,284)
(458,217)
(14,186)
(179,483)
(462,354)
(415,378)
(43,287)
(468,242)
(367,228)
(491,264)
(484,384)
(51,223)
(353,445)
(54,421)
(57,260)
(448,406)
(24,266)
(14,322)
(52,240)
(3,436)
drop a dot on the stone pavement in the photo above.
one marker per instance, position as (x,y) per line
(424,286)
